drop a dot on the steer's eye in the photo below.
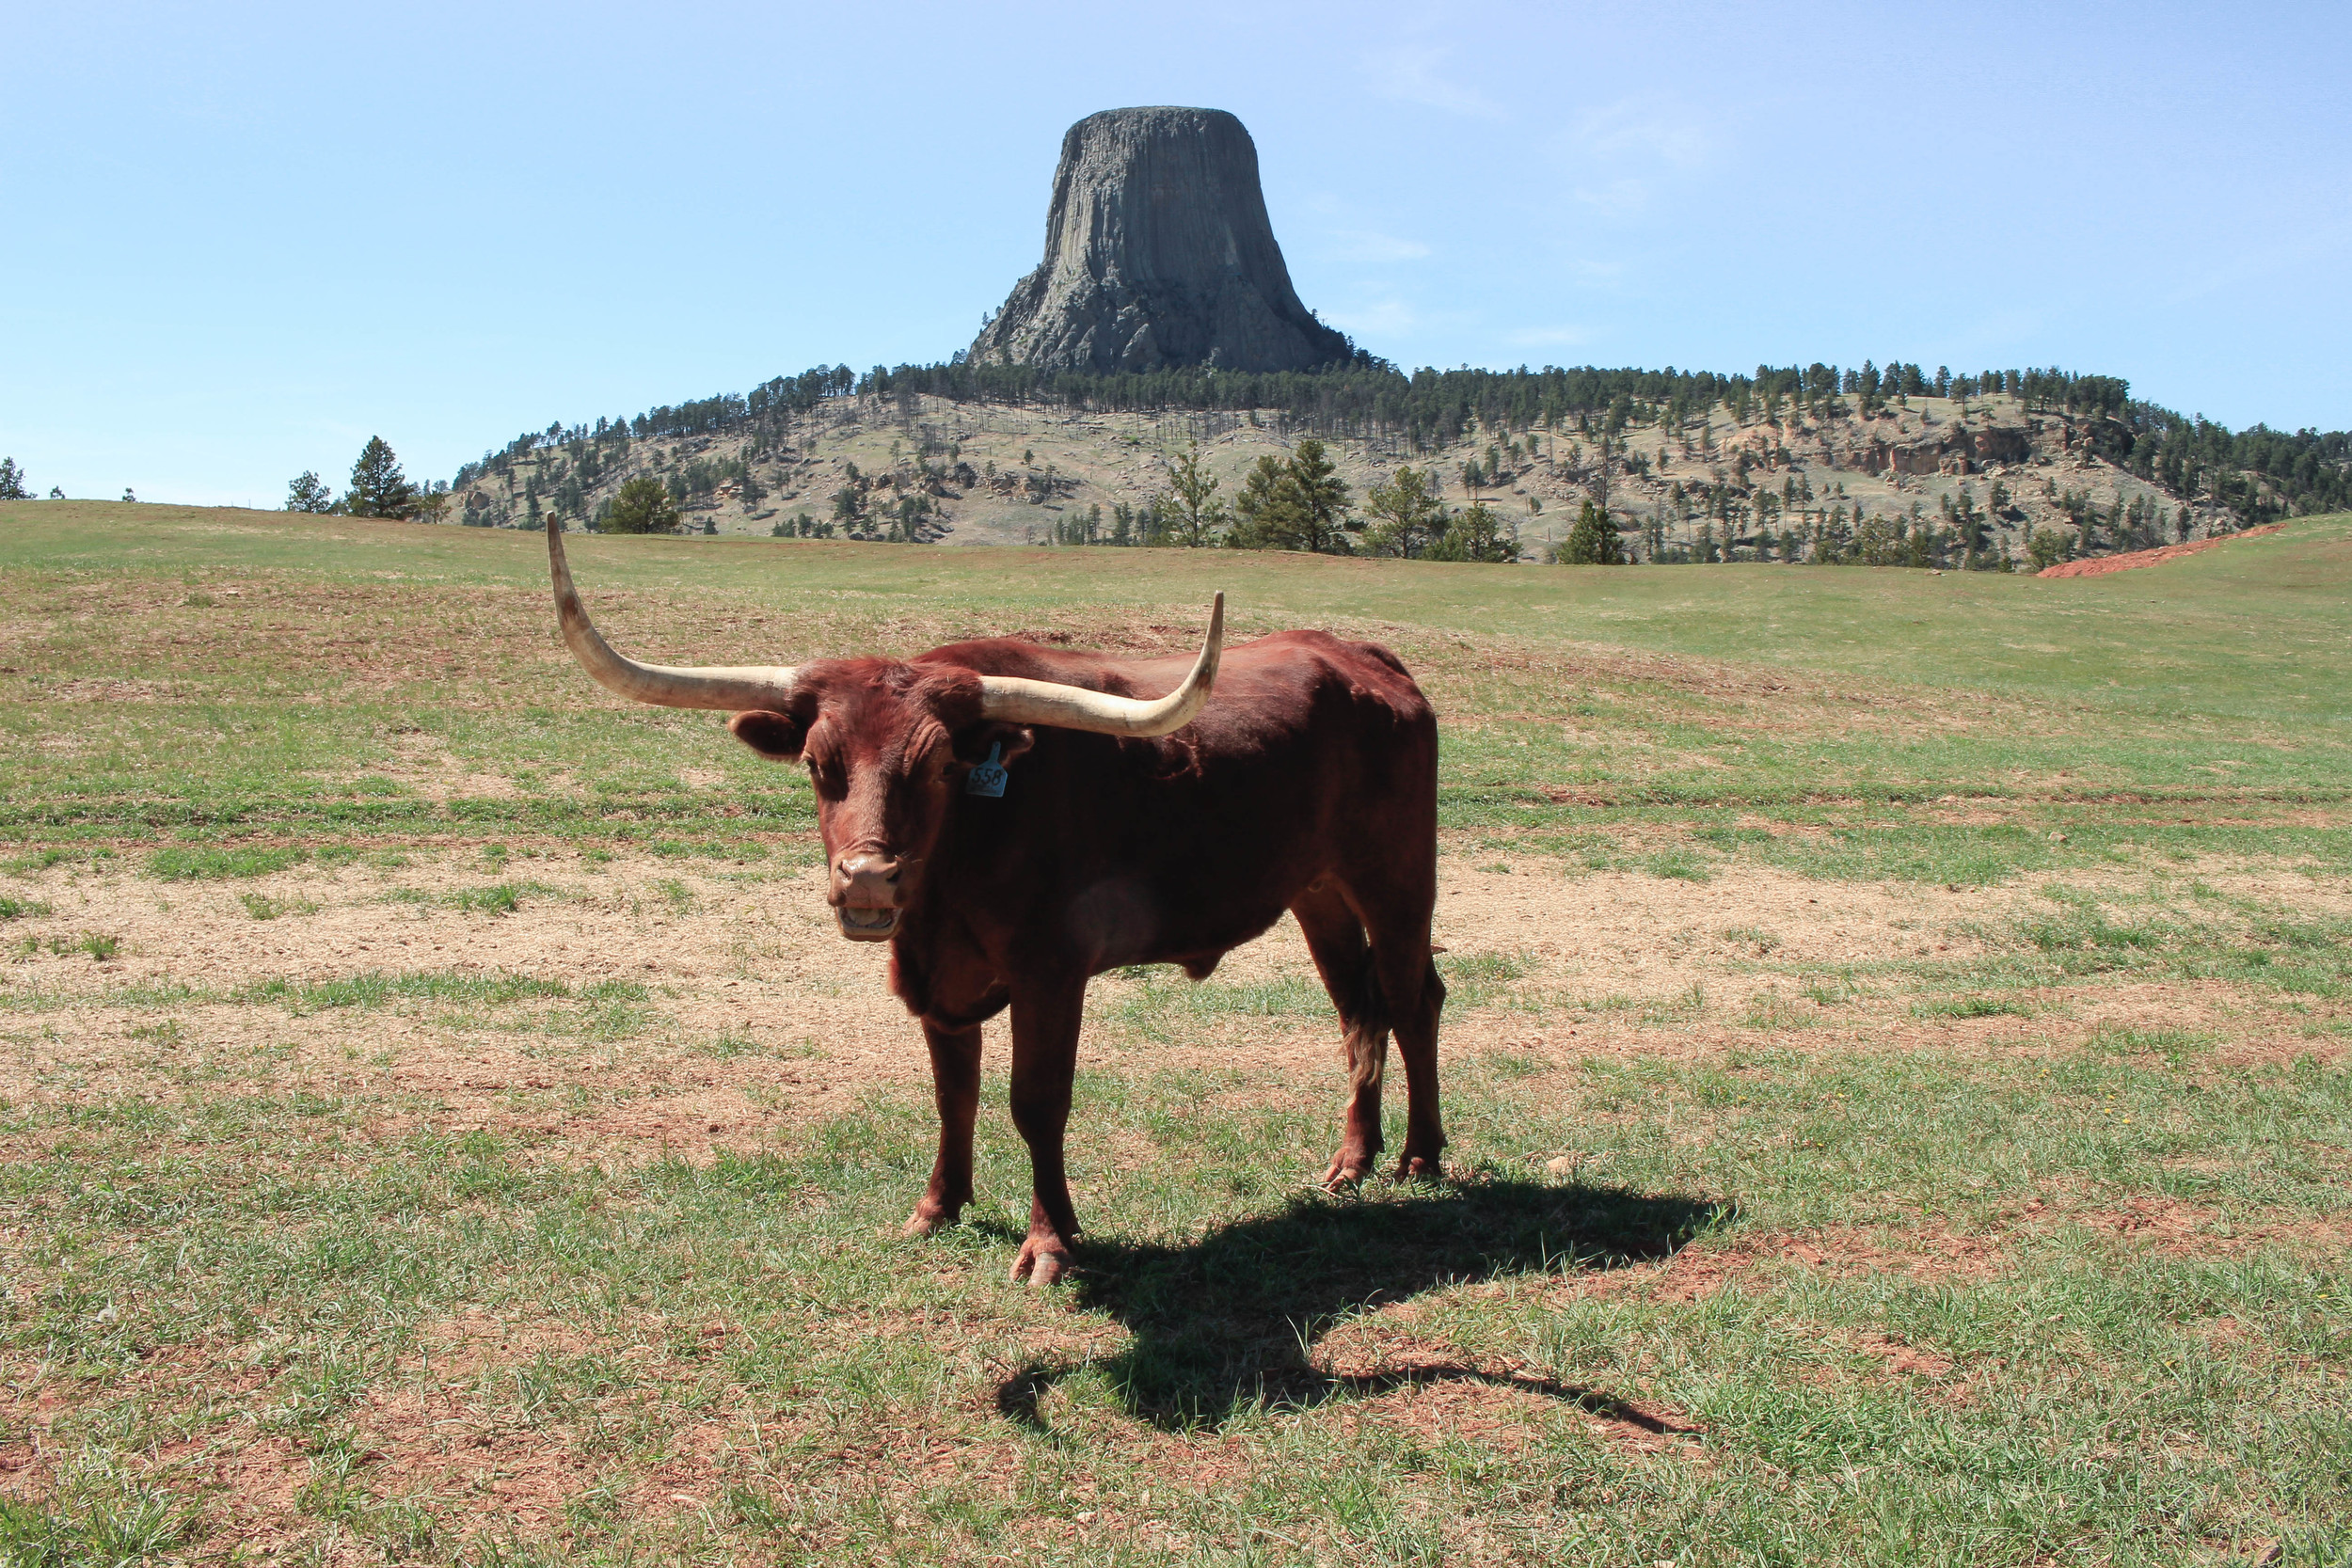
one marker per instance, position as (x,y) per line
(830,778)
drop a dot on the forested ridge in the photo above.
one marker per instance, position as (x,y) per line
(2257,473)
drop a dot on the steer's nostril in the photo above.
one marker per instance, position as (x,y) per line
(866,879)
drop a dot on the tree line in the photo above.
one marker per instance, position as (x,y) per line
(378,489)
(2256,474)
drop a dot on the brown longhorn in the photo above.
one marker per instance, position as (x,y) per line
(1007,856)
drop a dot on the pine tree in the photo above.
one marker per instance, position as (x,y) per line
(1406,515)
(379,489)
(307,492)
(1593,542)
(642,506)
(1198,516)
(1263,507)
(1480,535)
(849,507)
(1322,510)
(12,487)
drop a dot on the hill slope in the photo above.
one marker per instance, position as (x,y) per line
(928,469)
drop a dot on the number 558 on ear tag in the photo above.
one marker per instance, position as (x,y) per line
(988,778)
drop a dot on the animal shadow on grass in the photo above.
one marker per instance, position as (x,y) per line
(1232,1318)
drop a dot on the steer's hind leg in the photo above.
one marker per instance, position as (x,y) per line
(1408,978)
(956,1085)
(1044,1059)
(1344,957)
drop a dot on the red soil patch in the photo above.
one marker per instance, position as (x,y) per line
(2135,559)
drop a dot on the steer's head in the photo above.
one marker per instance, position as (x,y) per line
(889,745)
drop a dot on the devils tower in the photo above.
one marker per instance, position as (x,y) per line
(1158,253)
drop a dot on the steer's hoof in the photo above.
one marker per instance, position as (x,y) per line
(934,1212)
(1347,1172)
(1042,1261)
(1418,1168)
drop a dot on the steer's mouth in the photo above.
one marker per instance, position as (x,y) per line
(866,923)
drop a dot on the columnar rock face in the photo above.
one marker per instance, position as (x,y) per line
(1158,253)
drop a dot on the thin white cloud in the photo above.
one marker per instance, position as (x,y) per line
(1411,73)
(1645,131)
(1624,156)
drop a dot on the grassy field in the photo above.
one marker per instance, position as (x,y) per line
(1895,1066)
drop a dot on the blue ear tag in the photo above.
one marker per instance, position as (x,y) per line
(988,778)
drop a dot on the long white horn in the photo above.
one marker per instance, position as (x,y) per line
(1015,700)
(734,688)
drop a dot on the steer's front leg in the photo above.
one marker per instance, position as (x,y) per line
(1044,1059)
(956,1085)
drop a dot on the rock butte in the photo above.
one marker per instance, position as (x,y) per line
(1157,254)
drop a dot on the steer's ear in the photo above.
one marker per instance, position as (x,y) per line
(771,735)
(972,746)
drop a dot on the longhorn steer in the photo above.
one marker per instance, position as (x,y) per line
(1137,822)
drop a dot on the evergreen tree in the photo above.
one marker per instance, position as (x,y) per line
(1593,542)
(307,492)
(849,505)
(12,487)
(1198,517)
(642,506)
(379,489)
(1480,535)
(1407,517)
(1323,513)
(1263,507)
(1296,505)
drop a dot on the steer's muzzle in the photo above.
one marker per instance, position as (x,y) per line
(866,896)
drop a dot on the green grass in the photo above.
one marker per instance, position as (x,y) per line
(494,899)
(1875,1252)
(178,865)
(1903,690)
(2071,1400)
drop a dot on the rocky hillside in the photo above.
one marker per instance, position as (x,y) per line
(1706,485)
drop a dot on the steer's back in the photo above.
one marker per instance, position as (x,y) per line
(1315,757)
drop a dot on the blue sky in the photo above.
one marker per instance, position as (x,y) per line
(236,241)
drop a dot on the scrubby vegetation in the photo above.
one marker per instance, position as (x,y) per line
(1815,464)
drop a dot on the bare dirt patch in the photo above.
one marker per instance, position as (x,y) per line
(2133,560)
(642,1007)
(2190,1230)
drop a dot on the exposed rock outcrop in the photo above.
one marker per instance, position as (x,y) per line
(1954,450)
(1158,253)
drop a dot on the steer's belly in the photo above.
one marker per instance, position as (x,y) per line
(1121,921)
